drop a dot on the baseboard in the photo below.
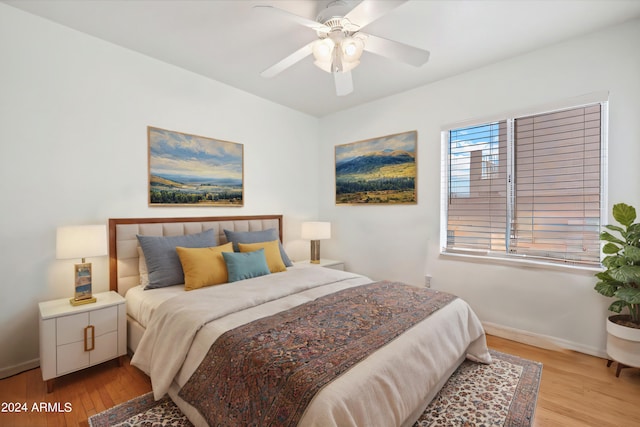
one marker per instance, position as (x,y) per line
(539,340)
(16,369)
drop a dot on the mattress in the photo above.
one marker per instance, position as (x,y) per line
(141,304)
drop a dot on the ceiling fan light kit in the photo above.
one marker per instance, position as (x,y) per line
(338,54)
(341,43)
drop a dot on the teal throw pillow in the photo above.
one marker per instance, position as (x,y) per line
(245,265)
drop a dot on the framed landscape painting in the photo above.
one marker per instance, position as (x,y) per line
(377,171)
(191,170)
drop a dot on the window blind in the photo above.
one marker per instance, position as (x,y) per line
(557,185)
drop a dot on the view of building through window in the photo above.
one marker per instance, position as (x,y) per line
(472,148)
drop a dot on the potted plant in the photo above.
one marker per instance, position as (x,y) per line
(621,280)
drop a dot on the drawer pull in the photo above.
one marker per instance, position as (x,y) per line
(93,338)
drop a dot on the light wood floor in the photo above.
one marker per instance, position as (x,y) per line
(579,390)
(89,392)
(576,390)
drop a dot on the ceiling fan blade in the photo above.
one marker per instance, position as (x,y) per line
(396,50)
(287,62)
(314,25)
(343,82)
(368,11)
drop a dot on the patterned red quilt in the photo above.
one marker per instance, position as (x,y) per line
(267,371)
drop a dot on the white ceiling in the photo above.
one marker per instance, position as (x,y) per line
(229,41)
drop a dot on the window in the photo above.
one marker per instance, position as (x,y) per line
(477,219)
(529,186)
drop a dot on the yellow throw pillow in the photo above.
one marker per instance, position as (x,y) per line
(271,252)
(203,266)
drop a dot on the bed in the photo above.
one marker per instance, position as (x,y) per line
(172,332)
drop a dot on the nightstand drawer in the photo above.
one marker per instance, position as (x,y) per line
(106,348)
(70,329)
(71,357)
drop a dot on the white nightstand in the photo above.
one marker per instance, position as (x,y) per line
(76,337)
(327,263)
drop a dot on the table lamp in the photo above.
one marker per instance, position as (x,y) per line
(81,241)
(315,231)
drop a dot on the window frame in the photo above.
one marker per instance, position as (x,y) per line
(510,117)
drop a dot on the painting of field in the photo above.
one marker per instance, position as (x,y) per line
(379,170)
(194,170)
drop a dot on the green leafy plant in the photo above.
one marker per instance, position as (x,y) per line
(621,279)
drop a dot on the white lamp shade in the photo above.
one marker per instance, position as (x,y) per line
(323,65)
(323,49)
(352,48)
(316,230)
(81,241)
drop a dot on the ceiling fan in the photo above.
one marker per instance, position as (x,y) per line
(341,42)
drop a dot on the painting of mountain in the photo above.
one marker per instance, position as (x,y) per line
(379,170)
(193,170)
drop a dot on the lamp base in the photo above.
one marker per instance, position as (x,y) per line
(74,301)
(82,281)
(315,252)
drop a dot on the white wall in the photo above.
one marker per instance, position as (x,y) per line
(402,242)
(74,112)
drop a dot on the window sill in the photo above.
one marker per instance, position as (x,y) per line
(522,263)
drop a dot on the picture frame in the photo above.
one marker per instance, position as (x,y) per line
(380,170)
(82,282)
(192,170)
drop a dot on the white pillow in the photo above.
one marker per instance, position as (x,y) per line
(142,267)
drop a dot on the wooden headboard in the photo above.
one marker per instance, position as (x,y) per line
(123,243)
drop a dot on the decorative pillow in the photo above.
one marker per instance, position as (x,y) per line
(271,253)
(162,259)
(203,266)
(245,265)
(256,237)
(142,268)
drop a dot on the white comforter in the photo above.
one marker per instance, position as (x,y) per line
(390,387)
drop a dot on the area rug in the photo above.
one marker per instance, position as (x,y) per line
(502,394)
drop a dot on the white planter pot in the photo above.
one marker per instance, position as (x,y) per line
(623,344)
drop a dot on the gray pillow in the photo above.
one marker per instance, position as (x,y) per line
(269,235)
(162,259)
